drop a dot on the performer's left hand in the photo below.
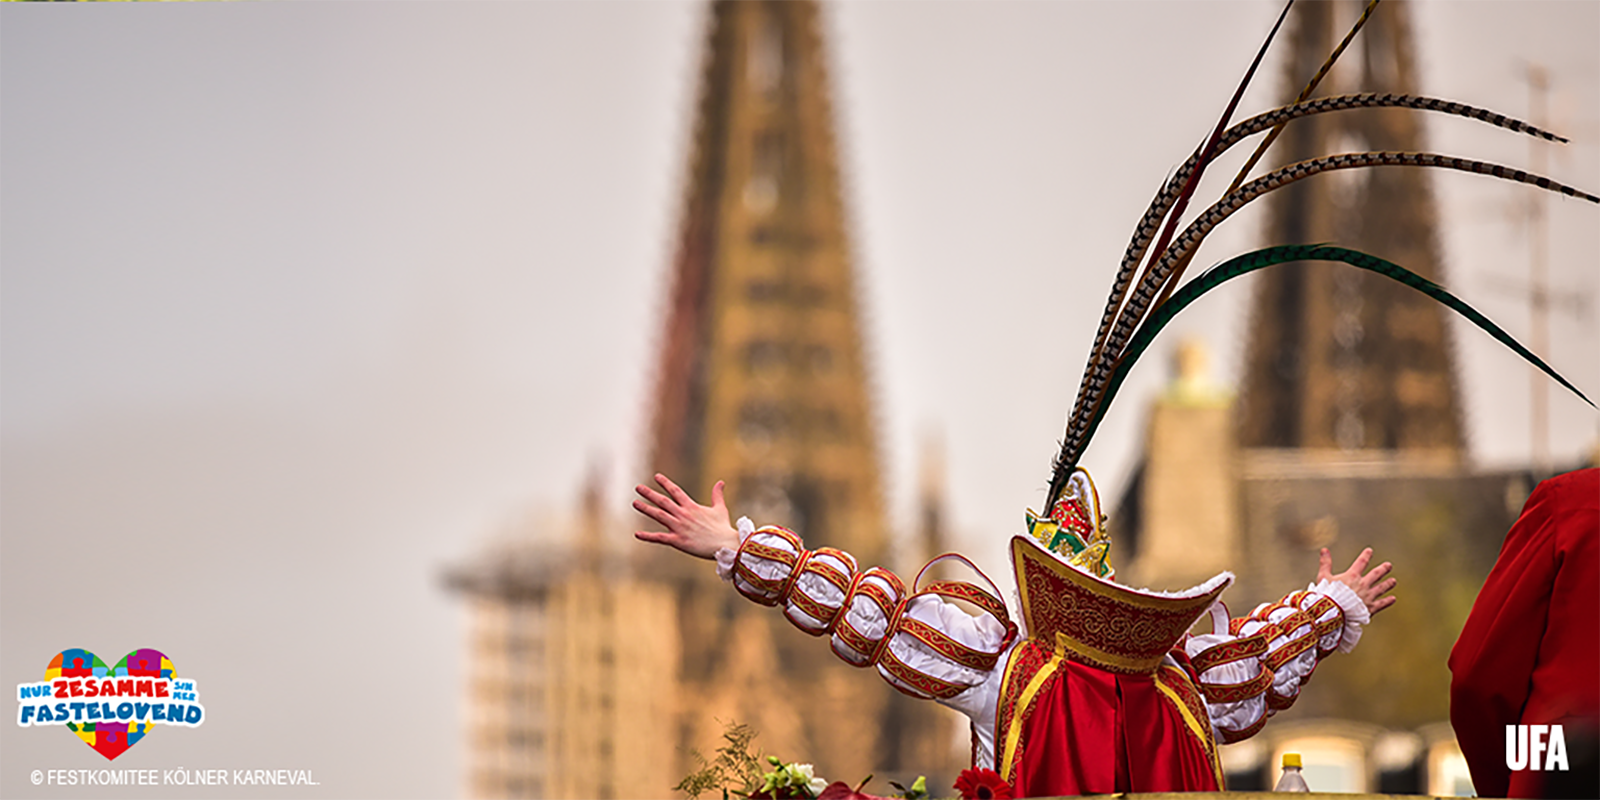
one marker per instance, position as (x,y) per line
(1370,587)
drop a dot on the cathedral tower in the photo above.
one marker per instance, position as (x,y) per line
(762,380)
(763,383)
(1340,358)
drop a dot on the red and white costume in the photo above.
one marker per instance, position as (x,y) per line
(1103,691)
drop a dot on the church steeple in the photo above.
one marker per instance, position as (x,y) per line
(762,380)
(1340,358)
(762,383)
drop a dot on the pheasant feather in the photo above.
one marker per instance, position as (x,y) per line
(1283,254)
(1091,399)
(1164,200)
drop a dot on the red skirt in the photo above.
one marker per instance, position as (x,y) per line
(1084,730)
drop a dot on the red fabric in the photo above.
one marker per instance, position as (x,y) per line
(1530,651)
(1094,732)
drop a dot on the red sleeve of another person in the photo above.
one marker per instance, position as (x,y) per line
(1530,650)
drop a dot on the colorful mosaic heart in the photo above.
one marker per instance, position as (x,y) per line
(110,739)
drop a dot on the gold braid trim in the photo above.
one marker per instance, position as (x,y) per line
(942,644)
(922,684)
(1229,737)
(887,604)
(1031,666)
(767,592)
(1238,692)
(1229,652)
(1174,683)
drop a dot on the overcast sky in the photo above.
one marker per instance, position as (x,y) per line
(301,302)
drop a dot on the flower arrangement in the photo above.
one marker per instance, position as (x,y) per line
(738,773)
(788,781)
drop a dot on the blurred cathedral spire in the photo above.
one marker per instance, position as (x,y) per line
(1337,358)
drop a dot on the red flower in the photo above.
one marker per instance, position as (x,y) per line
(982,784)
(839,790)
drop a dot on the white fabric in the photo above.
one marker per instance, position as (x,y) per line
(1228,716)
(867,618)
(820,589)
(726,555)
(1238,716)
(767,569)
(984,633)
(1356,615)
(979,704)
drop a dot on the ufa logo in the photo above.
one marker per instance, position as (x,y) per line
(1525,743)
(110,708)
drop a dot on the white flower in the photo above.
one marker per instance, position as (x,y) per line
(803,777)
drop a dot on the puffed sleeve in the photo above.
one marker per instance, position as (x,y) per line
(1255,668)
(921,644)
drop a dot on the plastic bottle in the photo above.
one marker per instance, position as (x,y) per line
(1291,780)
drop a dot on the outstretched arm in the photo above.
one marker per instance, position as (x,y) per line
(692,528)
(923,645)
(1252,667)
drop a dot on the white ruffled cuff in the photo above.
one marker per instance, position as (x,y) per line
(1356,615)
(726,555)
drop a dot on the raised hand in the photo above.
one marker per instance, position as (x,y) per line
(692,528)
(1370,587)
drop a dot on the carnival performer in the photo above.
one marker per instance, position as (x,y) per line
(1103,691)
(1102,688)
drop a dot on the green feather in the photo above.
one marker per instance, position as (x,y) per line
(1261,259)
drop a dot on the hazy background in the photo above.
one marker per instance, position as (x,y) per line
(301,302)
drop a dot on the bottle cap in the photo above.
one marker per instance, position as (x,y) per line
(1291,760)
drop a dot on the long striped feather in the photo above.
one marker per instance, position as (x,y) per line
(1145,232)
(1098,353)
(1305,94)
(1209,151)
(1091,397)
(1142,298)
(1283,254)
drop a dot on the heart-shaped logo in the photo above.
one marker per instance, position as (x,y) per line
(80,675)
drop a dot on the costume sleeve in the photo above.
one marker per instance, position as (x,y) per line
(1255,669)
(1528,649)
(920,643)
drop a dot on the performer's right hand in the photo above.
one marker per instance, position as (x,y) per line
(1369,586)
(692,528)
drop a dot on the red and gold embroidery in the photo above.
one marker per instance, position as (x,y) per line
(1238,692)
(922,685)
(1229,737)
(814,563)
(1179,690)
(1229,652)
(1031,666)
(886,602)
(762,590)
(1100,623)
